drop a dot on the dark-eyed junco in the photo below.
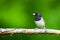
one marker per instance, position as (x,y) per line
(39,21)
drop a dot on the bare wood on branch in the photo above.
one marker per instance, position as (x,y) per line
(28,31)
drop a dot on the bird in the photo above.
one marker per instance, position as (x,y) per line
(39,21)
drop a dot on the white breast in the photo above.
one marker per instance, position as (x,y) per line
(40,23)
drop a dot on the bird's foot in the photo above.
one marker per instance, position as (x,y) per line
(45,30)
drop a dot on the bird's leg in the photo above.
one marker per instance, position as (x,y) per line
(45,28)
(36,28)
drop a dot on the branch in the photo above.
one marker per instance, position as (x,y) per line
(28,31)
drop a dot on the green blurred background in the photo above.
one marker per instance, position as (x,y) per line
(18,14)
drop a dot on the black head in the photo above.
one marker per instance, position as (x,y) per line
(37,16)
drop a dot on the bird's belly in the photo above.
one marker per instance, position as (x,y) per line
(40,23)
